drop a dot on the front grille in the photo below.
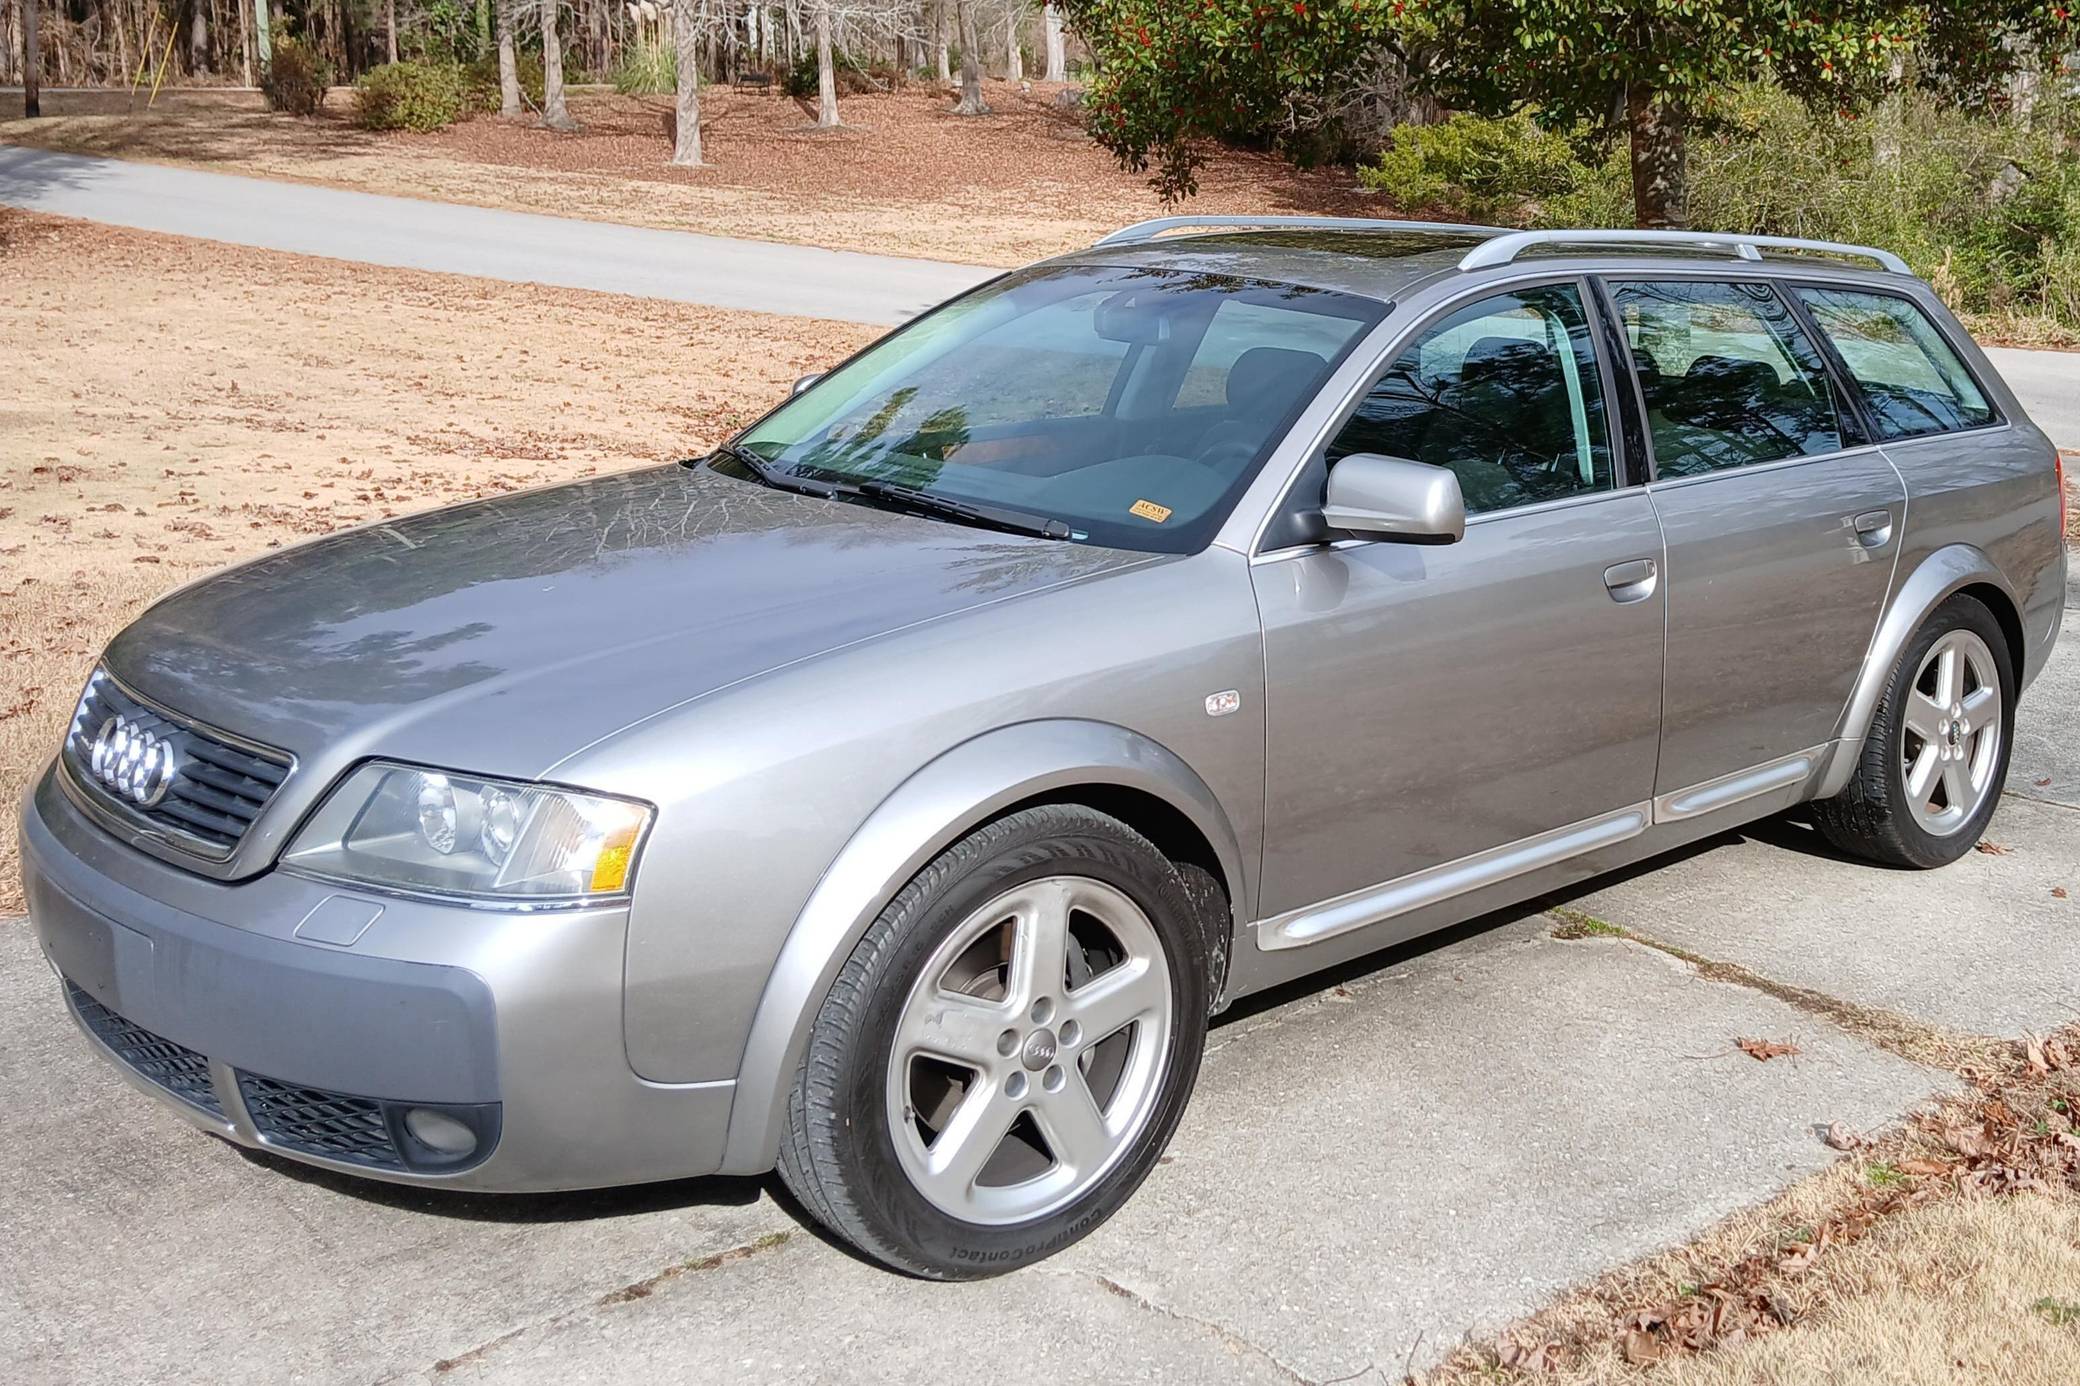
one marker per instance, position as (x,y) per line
(216,789)
(174,1067)
(317,1122)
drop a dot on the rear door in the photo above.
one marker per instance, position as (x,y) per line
(1443,716)
(1781,522)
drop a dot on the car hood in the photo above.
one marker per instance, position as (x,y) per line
(505,634)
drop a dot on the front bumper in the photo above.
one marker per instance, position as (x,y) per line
(229,1006)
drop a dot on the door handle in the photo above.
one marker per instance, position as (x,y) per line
(1874,528)
(1631,581)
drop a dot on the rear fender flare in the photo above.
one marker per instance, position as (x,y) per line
(1940,575)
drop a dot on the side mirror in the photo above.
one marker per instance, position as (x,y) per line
(1378,497)
(802,383)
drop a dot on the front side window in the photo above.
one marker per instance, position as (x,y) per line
(1728,377)
(1132,404)
(1505,393)
(1911,380)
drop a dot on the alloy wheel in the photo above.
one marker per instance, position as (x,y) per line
(1951,733)
(1031,1050)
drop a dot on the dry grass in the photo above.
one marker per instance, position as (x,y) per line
(176,405)
(1944,1251)
(904,176)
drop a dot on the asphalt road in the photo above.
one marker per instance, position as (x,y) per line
(764,276)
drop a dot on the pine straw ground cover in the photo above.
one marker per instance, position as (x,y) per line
(1946,1250)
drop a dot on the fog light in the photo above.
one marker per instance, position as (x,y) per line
(440,1132)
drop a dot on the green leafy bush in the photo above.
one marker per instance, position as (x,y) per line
(482,79)
(647,69)
(412,96)
(296,76)
(1986,207)
(1484,170)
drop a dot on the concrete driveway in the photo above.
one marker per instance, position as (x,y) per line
(1372,1169)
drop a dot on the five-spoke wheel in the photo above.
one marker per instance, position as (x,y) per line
(1031,1050)
(1007,1050)
(1937,749)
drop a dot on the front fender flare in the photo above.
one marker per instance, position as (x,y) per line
(1940,575)
(937,806)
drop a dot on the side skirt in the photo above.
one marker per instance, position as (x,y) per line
(1320,935)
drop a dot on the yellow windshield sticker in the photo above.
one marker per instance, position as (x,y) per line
(1149,510)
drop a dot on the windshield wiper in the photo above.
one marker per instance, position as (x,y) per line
(966,512)
(769,475)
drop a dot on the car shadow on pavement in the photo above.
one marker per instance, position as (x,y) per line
(577,1205)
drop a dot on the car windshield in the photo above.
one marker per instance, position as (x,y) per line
(1132,404)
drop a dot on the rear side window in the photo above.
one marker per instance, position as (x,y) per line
(1504,392)
(1728,377)
(1910,378)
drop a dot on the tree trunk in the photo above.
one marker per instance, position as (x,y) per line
(971,102)
(554,114)
(826,77)
(941,60)
(198,37)
(1057,49)
(508,62)
(390,30)
(1014,56)
(686,143)
(32,63)
(263,36)
(1660,191)
(245,41)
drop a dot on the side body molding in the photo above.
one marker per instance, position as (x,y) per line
(1942,573)
(932,809)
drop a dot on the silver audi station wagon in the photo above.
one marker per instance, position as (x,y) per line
(892,796)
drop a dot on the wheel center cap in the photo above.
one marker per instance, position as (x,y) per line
(1955,735)
(1039,1050)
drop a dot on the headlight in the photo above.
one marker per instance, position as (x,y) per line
(406,828)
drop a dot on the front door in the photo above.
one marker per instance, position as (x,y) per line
(1782,527)
(1442,715)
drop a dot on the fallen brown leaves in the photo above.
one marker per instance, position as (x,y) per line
(2013,1132)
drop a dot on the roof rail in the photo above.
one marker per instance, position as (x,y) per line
(1149,230)
(1503,249)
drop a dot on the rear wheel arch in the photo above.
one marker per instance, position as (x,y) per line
(1095,765)
(1941,575)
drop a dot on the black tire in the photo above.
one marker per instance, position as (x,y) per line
(837,1152)
(1870,818)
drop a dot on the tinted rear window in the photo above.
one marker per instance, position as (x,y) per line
(1911,380)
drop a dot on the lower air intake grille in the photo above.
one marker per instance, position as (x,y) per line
(174,1067)
(317,1122)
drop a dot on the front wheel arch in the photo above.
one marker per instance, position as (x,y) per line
(1065,760)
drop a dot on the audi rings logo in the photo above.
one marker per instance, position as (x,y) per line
(132,763)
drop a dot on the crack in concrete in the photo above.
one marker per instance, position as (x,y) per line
(2033,799)
(629,1293)
(1226,1336)
(1917,1041)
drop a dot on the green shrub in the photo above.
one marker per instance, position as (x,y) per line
(850,77)
(1986,207)
(482,79)
(647,69)
(412,96)
(1485,170)
(296,76)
